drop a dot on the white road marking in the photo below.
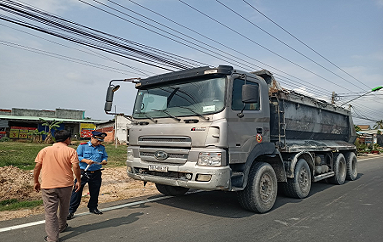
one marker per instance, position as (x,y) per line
(20,226)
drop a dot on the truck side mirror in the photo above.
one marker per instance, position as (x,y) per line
(250,93)
(109,97)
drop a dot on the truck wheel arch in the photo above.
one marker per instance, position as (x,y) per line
(265,152)
(295,158)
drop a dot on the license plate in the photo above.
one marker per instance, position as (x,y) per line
(158,168)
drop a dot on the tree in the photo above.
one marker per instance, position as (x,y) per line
(51,125)
(357,128)
(378,125)
(37,136)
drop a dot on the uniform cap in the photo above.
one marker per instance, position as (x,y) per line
(98,135)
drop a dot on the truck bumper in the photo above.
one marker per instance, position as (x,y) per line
(187,175)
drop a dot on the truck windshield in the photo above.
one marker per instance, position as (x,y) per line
(205,96)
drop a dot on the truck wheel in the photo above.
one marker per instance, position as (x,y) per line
(340,169)
(261,190)
(352,165)
(171,190)
(300,185)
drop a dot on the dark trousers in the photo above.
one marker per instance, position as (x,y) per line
(94,183)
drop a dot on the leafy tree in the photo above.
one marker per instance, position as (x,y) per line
(37,136)
(378,125)
(357,128)
(51,125)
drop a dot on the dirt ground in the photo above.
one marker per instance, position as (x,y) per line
(116,185)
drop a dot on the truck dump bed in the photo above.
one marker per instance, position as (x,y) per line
(297,120)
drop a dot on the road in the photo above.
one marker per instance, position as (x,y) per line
(349,212)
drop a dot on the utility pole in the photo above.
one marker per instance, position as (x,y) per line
(333,98)
(115,126)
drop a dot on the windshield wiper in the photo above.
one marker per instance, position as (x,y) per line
(148,116)
(167,112)
(194,112)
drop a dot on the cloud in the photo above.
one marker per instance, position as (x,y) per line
(57,7)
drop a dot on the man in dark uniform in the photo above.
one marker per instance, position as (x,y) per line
(92,156)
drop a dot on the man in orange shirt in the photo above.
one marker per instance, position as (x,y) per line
(55,164)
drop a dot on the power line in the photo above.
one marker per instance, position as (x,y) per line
(204,36)
(63,57)
(273,52)
(90,37)
(303,43)
(282,42)
(138,70)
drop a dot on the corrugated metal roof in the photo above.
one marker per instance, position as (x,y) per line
(64,120)
(372,131)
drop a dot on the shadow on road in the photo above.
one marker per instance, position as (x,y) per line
(225,204)
(131,218)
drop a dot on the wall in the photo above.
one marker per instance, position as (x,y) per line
(71,114)
(33,112)
(122,129)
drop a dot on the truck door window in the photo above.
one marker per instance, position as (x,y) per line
(236,103)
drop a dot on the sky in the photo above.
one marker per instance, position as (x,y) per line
(314,47)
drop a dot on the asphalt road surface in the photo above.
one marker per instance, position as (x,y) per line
(349,212)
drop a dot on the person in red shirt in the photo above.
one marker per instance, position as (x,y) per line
(55,164)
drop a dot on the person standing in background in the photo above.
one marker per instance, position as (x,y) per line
(55,163)
(92,156)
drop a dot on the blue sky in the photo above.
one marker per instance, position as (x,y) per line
(349,33)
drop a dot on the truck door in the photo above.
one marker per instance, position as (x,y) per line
(247,130)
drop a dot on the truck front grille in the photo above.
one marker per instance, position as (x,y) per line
(164,141)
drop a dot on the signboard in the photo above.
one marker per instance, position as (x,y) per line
(86,130)
(17,132)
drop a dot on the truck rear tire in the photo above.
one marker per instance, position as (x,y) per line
(261,190)
(352,165)
(171,190)
(300,185)
(340,169)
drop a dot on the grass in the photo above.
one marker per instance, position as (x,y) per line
(14,204)
(22,155)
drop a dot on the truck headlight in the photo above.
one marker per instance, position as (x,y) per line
(209,159)
(130,154)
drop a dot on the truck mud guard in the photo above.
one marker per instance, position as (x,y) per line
(265,152)
(294,159)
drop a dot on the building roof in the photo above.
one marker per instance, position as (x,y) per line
(32,118)
(364,127)
(372,131)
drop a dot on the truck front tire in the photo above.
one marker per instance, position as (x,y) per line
(261,190)
(340,169)
(300,185)
(171,190)
(352,165)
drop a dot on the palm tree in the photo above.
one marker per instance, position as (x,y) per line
(378,125)
(51,125)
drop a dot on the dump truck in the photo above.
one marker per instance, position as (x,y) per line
(230,130)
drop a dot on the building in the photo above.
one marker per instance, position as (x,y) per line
(371,137)
(117,130)
(17,123)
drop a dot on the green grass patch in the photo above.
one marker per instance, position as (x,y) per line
(14,204)
(22,155)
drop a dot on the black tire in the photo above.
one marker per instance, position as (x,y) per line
(261,190)
(300,185)
(171,190)
(340,169)
(352,166)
